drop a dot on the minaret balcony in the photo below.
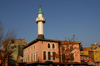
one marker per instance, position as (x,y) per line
(40,19)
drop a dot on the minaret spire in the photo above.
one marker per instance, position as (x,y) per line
(40,21)
(40,10)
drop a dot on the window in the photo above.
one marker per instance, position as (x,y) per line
(92,54)
(82,53)
(36,56)
(44,55)
(53,53)
(28,57)
(71,56)
(71,48)
(12,47)
(31,48)
(12,41)
(53,46)
(48,45)
(15,46)
(63,56)
(49,58)
(31,57)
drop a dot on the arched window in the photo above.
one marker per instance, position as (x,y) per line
(53,46)
(48,45)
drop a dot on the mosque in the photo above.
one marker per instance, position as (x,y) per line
(42,51)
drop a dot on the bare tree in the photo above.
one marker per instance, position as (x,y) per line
(5,43)
(66,51)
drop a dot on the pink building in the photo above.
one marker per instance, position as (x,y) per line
(41,50)
(71,48)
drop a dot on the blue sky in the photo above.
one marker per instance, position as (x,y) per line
(63,19)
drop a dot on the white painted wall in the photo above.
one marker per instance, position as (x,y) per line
(40,28)
(40,21)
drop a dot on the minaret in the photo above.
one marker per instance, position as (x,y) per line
(40,21)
